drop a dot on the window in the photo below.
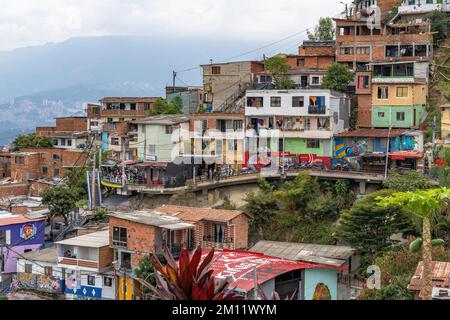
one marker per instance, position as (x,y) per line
(420,50)
(298,102)
(112,126)
(115,141)
(275,102)
(133,106)
(215,70)
(152,149)
(55,142)
(69,142)
(400,116)
(4,237)
(63,141)
(315,80)
(19,160)
(383,93)
(313,143)
(122,106)
(300,62)
(48,271)
(56,172)
(107,281)
(256,102)
(402,92)
(406,50)
(346,50)
(28,268)
(363,82)
(169,129)
(56,157)
(125,260)
(237,125)
(91,280)
(363,50)
(119,237)
(44,170)
(110,119)
(392,51)
(2,263)
(380,114)
(219,233)
(265,79)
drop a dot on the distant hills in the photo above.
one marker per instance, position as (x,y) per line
(43,82)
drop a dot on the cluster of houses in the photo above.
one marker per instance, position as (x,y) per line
(237,122)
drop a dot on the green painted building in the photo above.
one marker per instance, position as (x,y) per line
(397,116)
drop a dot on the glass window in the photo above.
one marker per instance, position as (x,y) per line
(44,170)
(48,271)
(383,93)
(119,236)
(107,281)
(56,157)
(363,82)
(275,102)
(169,129)
(28,268)
(400,116)
(219,235)
(256,102)
(380,114)
(313,143)
(216,70)
(152,149)
(298,102)
(402,92)
(3,239)
(91,280)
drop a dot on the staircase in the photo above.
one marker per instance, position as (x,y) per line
(81,220)
(234,103)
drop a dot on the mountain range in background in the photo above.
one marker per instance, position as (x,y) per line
(53,80)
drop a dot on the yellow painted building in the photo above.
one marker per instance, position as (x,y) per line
(445,122)
(399,94)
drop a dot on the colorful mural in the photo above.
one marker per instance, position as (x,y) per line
(352,150)
(37,282)
(28,231)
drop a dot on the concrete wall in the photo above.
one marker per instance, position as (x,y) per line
(315,276)
(385,116)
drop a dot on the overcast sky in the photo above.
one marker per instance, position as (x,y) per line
(31,22)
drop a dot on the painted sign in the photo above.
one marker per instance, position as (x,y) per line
(85,292)
(351,150)
(28,231)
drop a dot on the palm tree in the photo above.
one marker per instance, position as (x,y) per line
(423,204)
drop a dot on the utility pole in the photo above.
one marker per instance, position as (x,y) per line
(174,78)
(94,200)
(387,153)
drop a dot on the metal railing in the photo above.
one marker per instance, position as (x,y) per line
(317,110)
(212,238)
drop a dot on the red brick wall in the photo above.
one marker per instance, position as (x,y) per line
(141,237)
(37,188)
(14,189)
(364,105)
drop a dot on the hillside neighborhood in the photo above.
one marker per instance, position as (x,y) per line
(319,175)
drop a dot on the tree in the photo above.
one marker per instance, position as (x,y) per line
(324,31)
(61,201)
(368,227)
(262,206)
(162,106)
(338,77)
(411,181)
(189,279)
(278,68)
(423,204)
(439,25)
(31,141)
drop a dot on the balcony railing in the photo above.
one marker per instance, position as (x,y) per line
(78,262)
(317,110)
(212,238)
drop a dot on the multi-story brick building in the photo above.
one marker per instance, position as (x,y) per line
(69,132)
(416,10)
(5,164)
(112,118)
(136,234)
(358,44)
(307,67)
(44,163)
(225,83)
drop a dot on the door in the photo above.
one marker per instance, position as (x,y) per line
(304,81)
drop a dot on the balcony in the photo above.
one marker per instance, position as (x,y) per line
(317,110)
(78,263)
(423,7)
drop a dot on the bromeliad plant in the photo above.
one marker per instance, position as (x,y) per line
(189,279)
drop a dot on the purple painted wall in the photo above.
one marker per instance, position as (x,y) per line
(24,237)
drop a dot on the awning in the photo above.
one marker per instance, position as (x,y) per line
(152,165)
(403,155)
(177,226)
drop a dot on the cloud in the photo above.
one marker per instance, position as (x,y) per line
(31,22)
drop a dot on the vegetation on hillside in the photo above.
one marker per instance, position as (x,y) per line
(278,67)
(338,77)
(325,30)
(31,141)
(163,106)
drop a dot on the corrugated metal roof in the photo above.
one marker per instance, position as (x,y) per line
(441,276)
(325,254)
(239,266)
(153,218)
(91,240)
(49,255)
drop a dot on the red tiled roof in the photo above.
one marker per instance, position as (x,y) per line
(399,155)
(372,133)
(191,214)
(239,266)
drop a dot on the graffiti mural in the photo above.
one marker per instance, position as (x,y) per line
(354,149)
(28,231)
(37,282)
